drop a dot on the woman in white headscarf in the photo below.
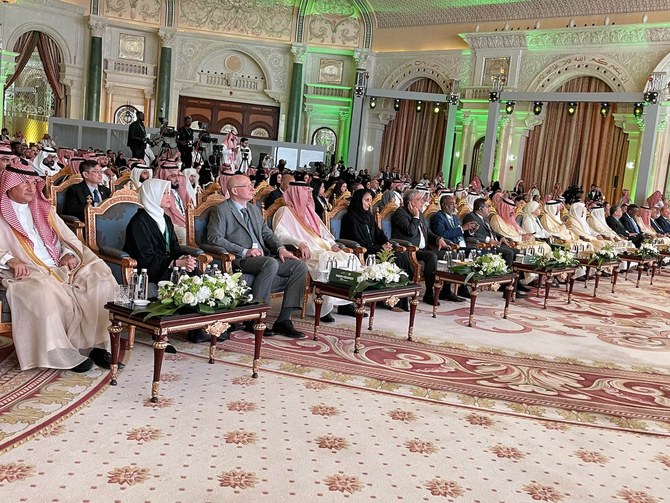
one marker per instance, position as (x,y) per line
(530,221)
(579,226)
(139,174)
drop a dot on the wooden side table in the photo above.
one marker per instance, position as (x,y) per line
(162,326)
(389,295)
(614,264)
(475,286)
(641,262)
(548,277)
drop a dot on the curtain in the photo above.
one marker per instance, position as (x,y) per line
(583,149)
(51,61)
(414,141)
(25,46)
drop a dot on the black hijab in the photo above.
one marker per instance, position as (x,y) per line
(356,211)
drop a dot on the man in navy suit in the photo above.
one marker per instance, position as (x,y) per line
(663,221)
(76,197)
(446,224)
(630,224)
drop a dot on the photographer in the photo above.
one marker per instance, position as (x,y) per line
(137,135)
(185,142)
(244,156)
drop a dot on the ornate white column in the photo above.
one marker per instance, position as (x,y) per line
(307,110)
(377,122)
(343,136)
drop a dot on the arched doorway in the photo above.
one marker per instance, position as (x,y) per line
(34,92)
(326,137)
(414,141)
(581,149)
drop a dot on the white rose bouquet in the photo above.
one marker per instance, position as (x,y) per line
(648,250)
(607,253)
(483,266)
(383,274)
(557,259)
(206,294)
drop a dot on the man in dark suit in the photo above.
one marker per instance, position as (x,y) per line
(185,142)
(594,194)
(663,221)
(484,234)
(77,196)
(614,222)
(446,224)
(137,136)
(287,178)
(408,224)
(629,222)
(238,227)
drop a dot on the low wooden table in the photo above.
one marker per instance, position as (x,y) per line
(548,277)
(475,286)
(390,295)
(614,264)
(641,262)
(162,326)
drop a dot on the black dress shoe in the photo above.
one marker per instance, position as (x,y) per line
(287,329)
(327,318)
(428,299)
(454,298)
(249,327)
(522,288)
(520,295)
(170,349)
(102,358)
(463,292)
(349,310)
(224,336)
(198,336)
(84,366)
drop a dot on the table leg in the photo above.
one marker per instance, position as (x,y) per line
(508,296)
(653,273)
(360,311)
(259,329)
(571,282)
(372,315)
(640,267)
(412,313)
(437,288)
(114,331)
(131,336)
(615,275)
(215,330)
(159,351)
(588,270)
(539,283)
(547,286)
(473,300)
(318,302)
(598,273)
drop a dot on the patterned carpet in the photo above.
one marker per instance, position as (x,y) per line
(568,404)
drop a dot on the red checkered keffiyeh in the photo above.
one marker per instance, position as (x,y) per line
(40,207)
(507,211)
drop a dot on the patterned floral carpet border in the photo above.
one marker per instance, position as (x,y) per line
(34,401)
(553,390)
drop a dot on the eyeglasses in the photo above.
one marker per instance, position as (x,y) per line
(96,171)
(249,186)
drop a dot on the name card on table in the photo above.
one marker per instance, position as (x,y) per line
(343,276)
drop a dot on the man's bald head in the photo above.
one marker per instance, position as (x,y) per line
(240,188)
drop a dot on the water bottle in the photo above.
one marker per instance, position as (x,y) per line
(175,275)
(144,282)
(473,254)
(133,285)
(351,263)
(370,261)
(182,272)
(215,270)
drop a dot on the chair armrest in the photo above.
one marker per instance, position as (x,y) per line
(348,243)
(192,250)
(113,252)
(70,219)
(218,251)
(203,260)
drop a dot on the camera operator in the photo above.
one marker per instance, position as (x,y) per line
(137,137)
(244,156)
(185,142)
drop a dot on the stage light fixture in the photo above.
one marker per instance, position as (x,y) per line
(436,108)
(651,97)
(509,107)
(537,108)
(604,109)
(638,110)
(396,105)
(572,108)
(373,102)
(493,96)
(419,106)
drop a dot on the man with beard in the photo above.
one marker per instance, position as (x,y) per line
(45,162)
(181,195)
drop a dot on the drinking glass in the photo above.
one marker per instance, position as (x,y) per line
(123,295)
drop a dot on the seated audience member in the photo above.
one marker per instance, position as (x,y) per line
(339,191)
(321,204)
(140,174)
(408,224)
(77,196)
(297,224)
(614,221)
(45,162)
(551,222)
(446,224)
(663,221)
(238,227)
(656,200)
(530,221)
(629,221)
(279,192)
(56,287)
(644,220)
(504,223)
(579,225)
(598,222)
(181,195)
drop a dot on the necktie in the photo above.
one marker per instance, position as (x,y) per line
(247,224)
(96,197)
(450,221)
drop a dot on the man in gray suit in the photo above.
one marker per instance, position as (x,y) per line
(238,227)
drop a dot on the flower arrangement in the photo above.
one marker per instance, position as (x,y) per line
(648,250)
(483,266)
(382,274)
(607,253)
(206,294)
(557,259)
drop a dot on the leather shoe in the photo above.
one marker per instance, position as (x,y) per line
(428,299)
(198,336)
(224,336)
(249,327)
(520,295)
(349,310)
(453,298)
(102,358)
(522,288)
(84,366)
(327,318)
(287,329)
(463,292)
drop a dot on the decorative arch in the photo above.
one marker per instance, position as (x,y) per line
(571,67)
(48,30)
(413,71)
(362,6)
